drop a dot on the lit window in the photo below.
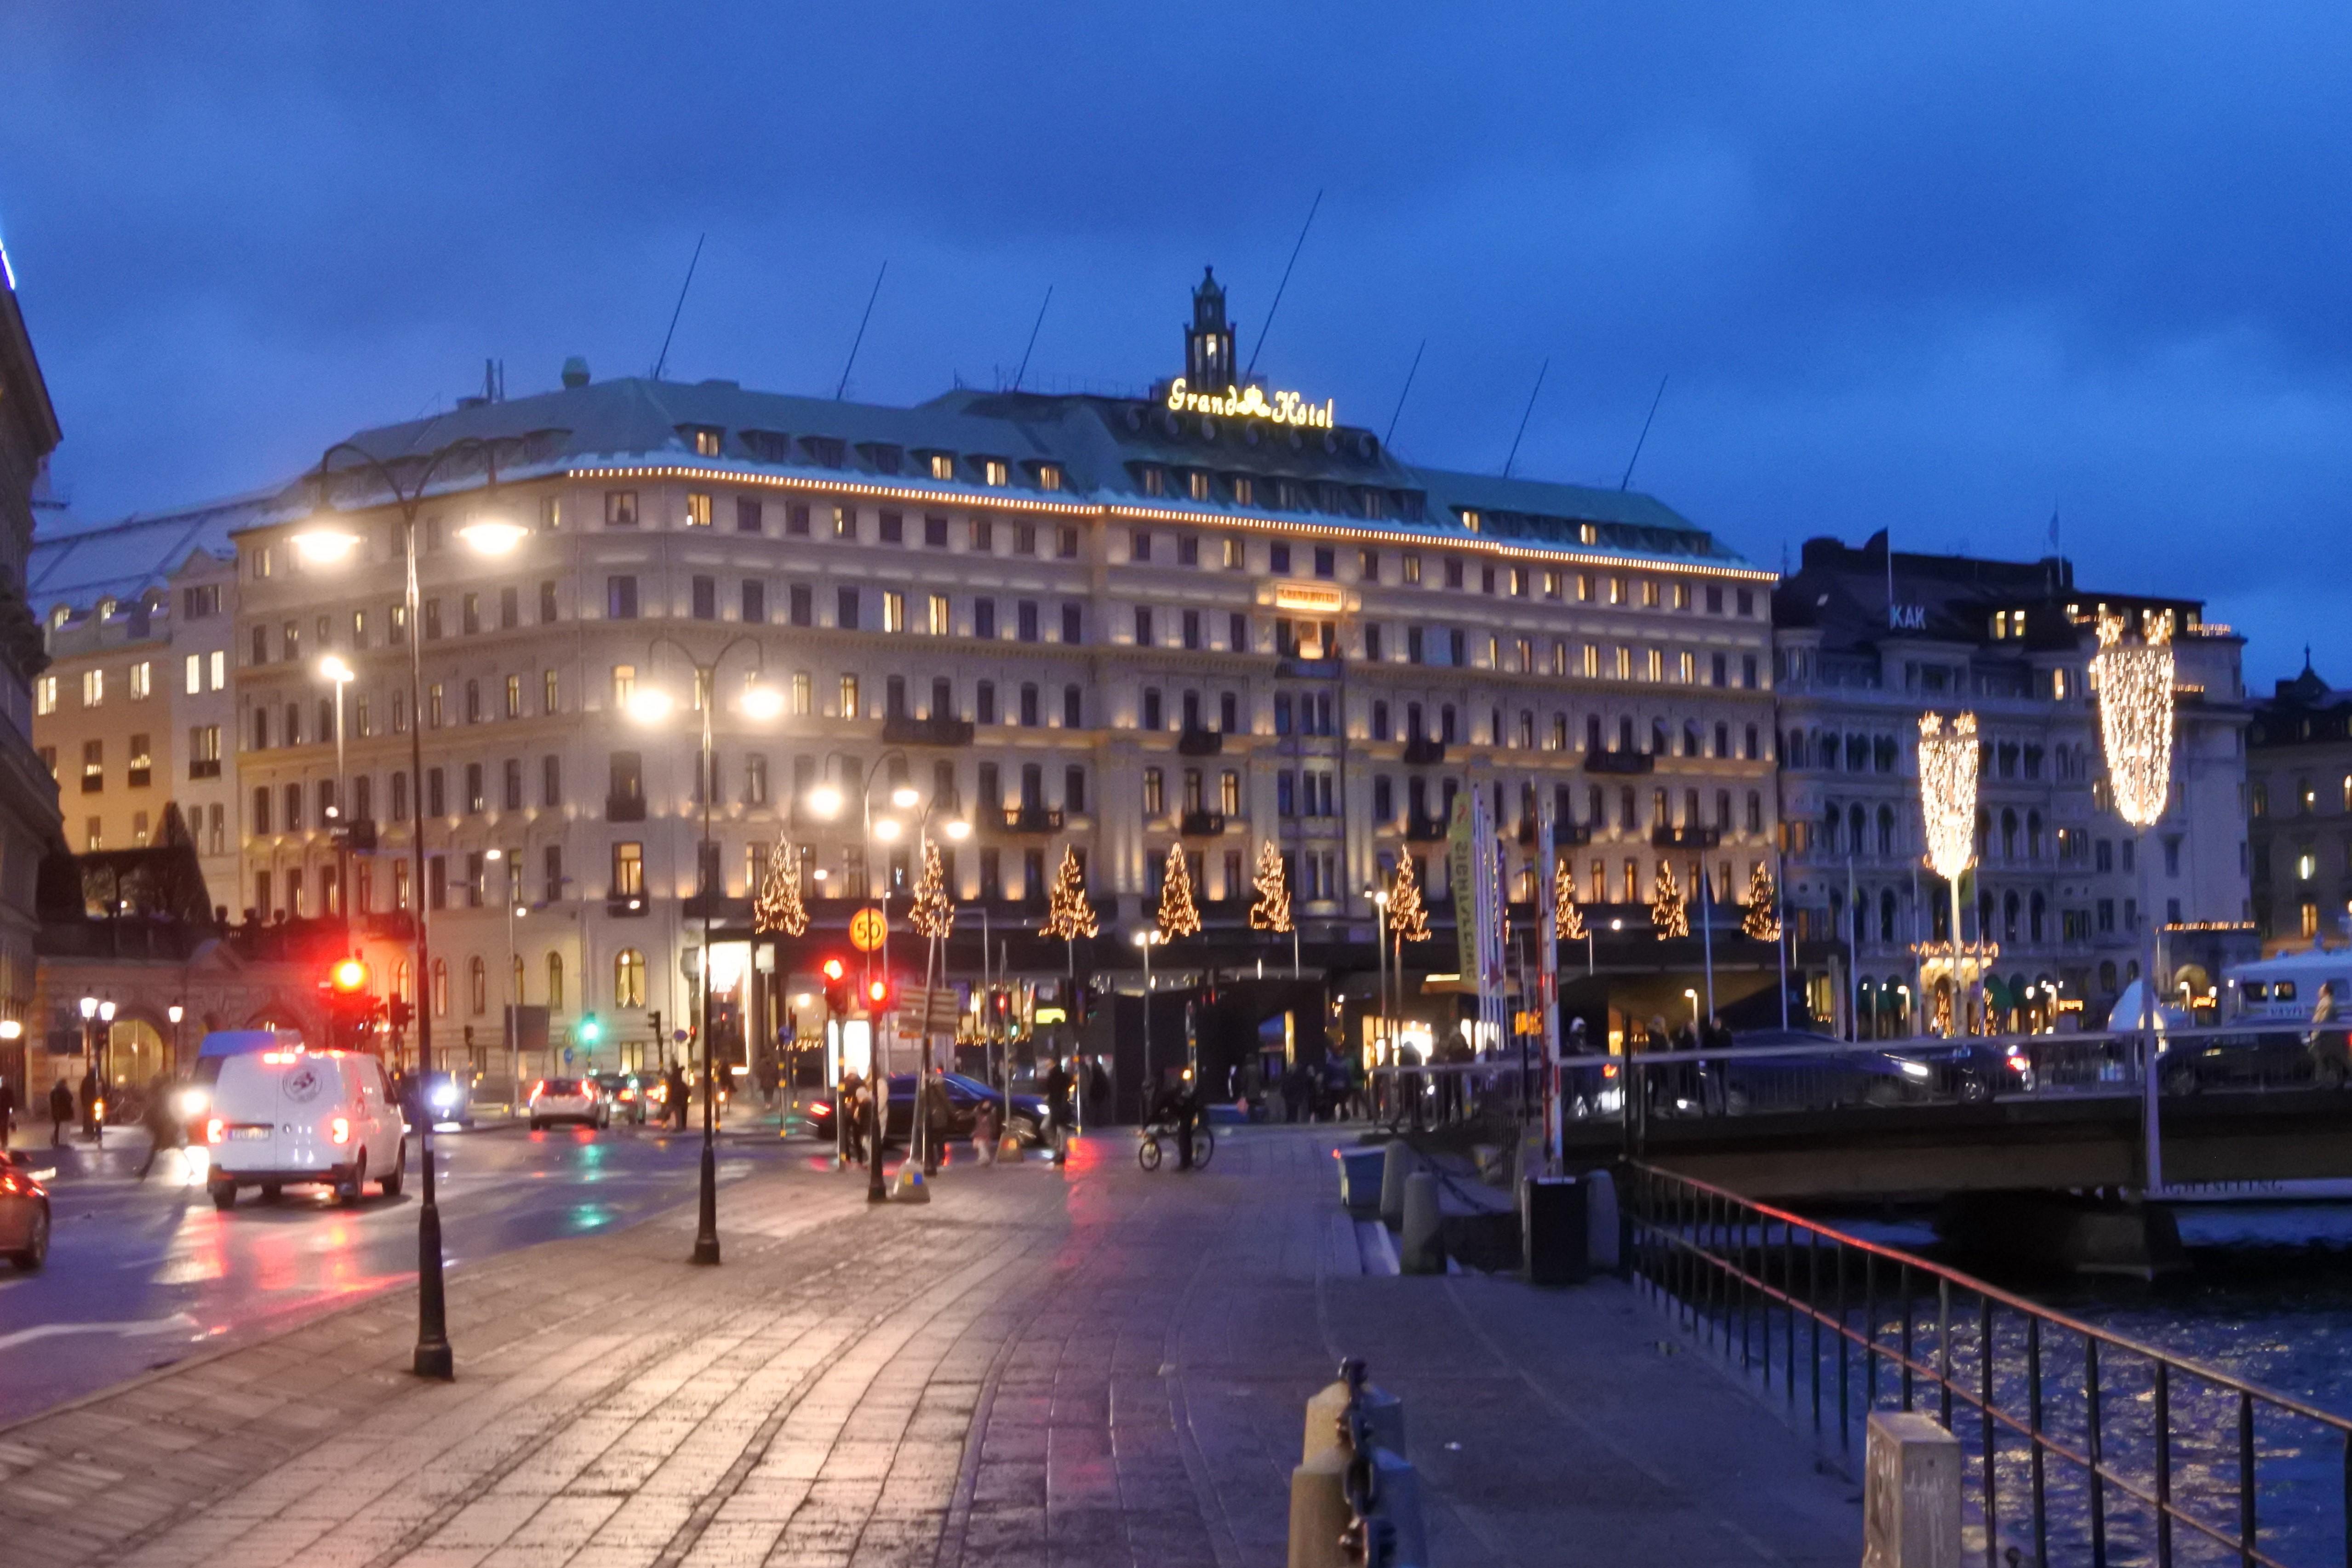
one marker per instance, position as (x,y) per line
(1049,476)
(803,692)
(941,625)
(624,684)
(849,697)
(894,611)
(195,673)
(142,675)
(993,471)
(219,679)
(629,978)
(1197,483)
(698,509)
(93,688)
(706,443)
(942,466)
(44,694)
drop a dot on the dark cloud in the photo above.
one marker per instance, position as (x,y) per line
(1937,270)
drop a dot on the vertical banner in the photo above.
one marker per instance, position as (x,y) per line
(1492,980)
(1547,975)
(1462,886)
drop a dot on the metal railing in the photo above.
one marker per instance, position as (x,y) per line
(2080,1441)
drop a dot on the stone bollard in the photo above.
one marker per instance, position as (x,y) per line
(1384,1413)
(1330,1482)
(1319,1515)
(1911,1493)
(1395,1167)
(1601,1220)
(910,1185)
(1421,1246)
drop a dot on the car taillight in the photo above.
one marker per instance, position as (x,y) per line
(1609,1070)
(2019,1064)
(339,1130)
(9,1184)
(214,1130)
(820,1109)
(538,1088)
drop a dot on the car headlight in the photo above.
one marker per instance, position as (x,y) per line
(446,1096)
(190,1102)
(1914,1069)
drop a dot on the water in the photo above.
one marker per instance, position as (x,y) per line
(2268,1298)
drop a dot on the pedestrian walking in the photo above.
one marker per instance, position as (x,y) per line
(1099,1082)
(674,1101)
(164,1130)
(851,1109)
(1186,1108)
(984,1133)
(61,1109)
(90,1107)
(1057,1110)
(7,1112)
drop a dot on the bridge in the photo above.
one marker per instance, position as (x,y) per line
(1925,1117)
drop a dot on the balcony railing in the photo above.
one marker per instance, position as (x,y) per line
(1199,742)
(906,730)
(1201,823)
(1032,819)
(1665,837)
(1421,827)
(1420,751)
(1564,834)
(627,906)
(204,768)
(1619,762)
(625,808)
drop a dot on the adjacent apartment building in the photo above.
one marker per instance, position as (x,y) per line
(1866,641)
(2299,802)
(1205,619)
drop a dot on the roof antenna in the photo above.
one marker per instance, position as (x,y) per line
(1643,439)
(1032,339)
(841,390)
(1400,396)
(1524,417)
(662,358)
(1267,325)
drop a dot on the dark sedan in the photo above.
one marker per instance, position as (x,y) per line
(24,1212)
(965,1097)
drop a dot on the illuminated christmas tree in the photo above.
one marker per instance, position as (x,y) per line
(1570,919)
(1669,915)
(1178,914)
(1272,910)
(933,914)
(1407,916)
(778,908)
(1762,921)
(1068,914)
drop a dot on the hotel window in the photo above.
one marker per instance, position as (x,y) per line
(1649,592)
(93,767)
(942,466)
(514,696)
(803,693)
(939,616)
(1617,590)
(894,528)
(1327,561)
(1188,550)
(93,688)
(1523,655)
(1245,489)
(1049,476)
(142,680)
(983,535)
(1154,791)
(849,697)
(1367,565)
(894,612)
(1024,620)
(844,521)
(624,684)
(1236,553)
(1143,626)
(993,472)
(1197,484)
(1066,543)
(1072,621)
(620,508)
(1139,545)
(620,599)
(44,695)
(1237,637)
(1624,662)
(1687,667)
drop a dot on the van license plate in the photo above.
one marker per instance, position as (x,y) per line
(248,1133)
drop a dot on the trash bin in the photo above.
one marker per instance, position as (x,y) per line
(1553,1225)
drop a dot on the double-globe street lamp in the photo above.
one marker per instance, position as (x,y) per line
(826,800)
(323,543)
(651,705)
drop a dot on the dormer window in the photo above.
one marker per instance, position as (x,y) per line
(1154,478)
(995,473)
(1198,483)
(942,466)
(2007,624)
(106,608)
(1245,489)
(825,451)
(1049,476)
(59,618)
(883,458)
(1471,519)
(704,439)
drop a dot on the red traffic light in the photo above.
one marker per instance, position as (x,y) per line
(878,994)
(835,971)
(348,977)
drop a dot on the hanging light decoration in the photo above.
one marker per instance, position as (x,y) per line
(1947,791)
(2135,686)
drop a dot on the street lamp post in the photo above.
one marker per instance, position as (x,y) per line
(92,1091)
(341,673)
(324,542)
(507,988)
(649,706)
(176,1013)
(1147,939)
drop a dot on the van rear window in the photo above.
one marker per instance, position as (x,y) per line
(562,1086)
(2284,991)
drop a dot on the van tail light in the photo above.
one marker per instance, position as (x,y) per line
(339,1130)
(214,1130)
(538,1088)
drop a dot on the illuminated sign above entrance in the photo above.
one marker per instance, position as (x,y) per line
(1312,599)
(1251,403)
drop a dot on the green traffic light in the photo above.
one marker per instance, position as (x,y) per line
(591,1031)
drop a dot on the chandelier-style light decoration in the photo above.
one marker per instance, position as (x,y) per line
(2134,685)
(1947,791)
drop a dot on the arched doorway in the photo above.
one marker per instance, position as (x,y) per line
(135,1052)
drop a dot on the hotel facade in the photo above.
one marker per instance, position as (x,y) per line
(1204,618)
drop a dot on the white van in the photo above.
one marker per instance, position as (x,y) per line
(287,1115)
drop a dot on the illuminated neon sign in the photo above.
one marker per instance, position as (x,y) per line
(1251,403)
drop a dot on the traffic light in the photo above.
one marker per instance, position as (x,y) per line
(400,1012)
(836,986)
(350,1003)
(878,994)
(349,976)
(591,1030)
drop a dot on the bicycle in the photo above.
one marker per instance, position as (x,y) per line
(1149,1153)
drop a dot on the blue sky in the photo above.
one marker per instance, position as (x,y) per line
(1942,269)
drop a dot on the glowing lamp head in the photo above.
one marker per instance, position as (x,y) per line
(649,705)
(956,828)
(332,668)
(106,1012)
(887,830)
(493,535)
(88,1008)
(325,546)
(904,796)
(825,801)
(763,703)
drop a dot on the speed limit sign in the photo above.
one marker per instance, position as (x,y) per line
(866,930)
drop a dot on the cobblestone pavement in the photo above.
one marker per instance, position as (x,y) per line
(1081,1366)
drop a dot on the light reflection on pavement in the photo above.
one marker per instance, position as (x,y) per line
(138,1275)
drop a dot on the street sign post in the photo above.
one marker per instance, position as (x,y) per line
(866,930)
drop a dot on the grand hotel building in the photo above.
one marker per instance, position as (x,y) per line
(1112,625)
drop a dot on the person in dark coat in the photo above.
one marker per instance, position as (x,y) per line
(1057,1110)
(90,1103)
(1098,1087)
(679,1095)
(164,1130)
(61,1109)
(1185,1105)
